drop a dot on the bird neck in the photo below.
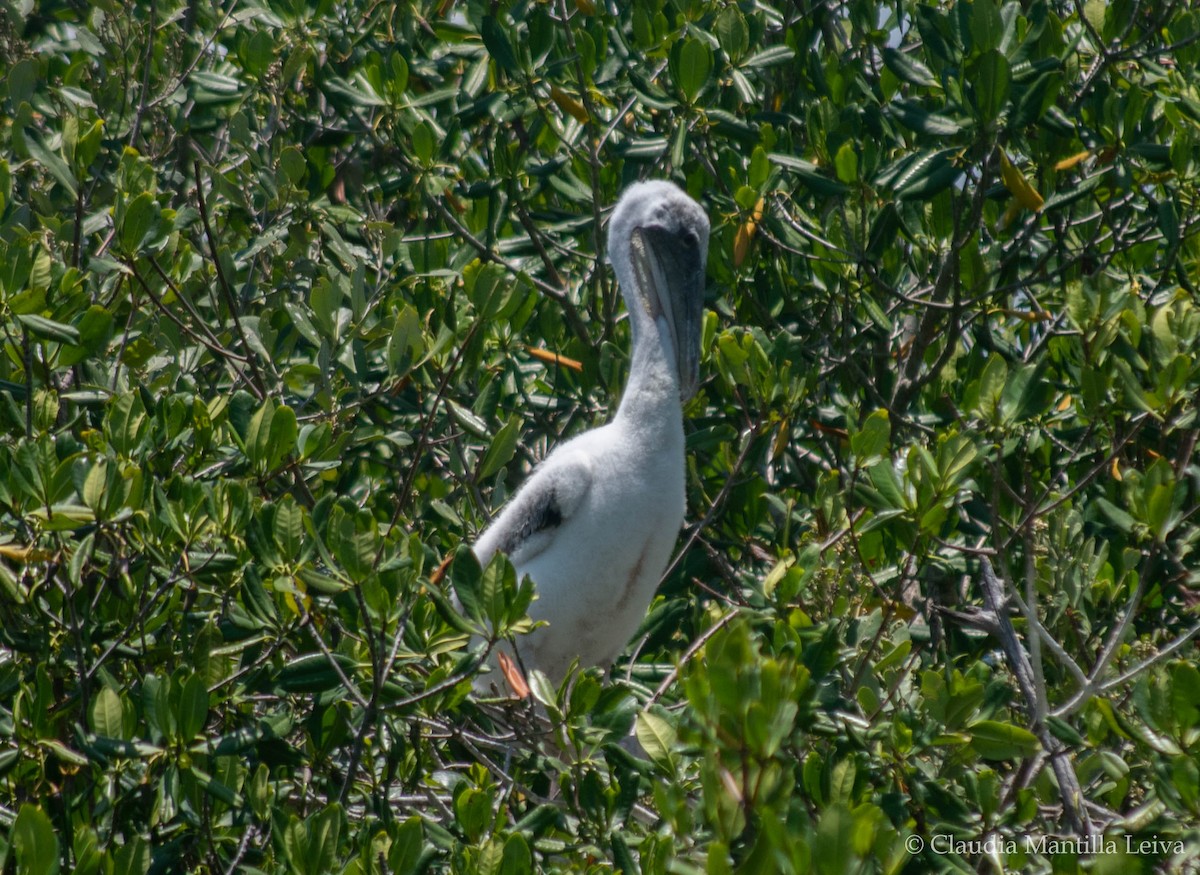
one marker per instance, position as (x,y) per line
(650,401)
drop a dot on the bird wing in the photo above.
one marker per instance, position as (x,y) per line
(529,522)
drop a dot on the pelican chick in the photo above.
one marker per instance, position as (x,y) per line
(594,524)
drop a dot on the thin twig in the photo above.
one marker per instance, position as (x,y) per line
(1070,792)
(226,288)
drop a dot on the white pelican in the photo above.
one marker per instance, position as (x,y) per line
(594,524)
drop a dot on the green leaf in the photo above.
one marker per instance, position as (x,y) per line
(289,529)
(258,435)
(107,717)
(217,789)
(209,88)
(769,57)
(498,44)
(1168,221)
(914,117)
(927,175)
(399,74)
(884,479)
(134,857)
(991,386)
(95,329)
(502,447)
(406,847)
(693,68)
(125,423)
(324,832)
(499,585)
(321,583)
(994,740)
(473,812)
(873,438)
(908,69)
(323,300)
(22,78)
(354,538)
(657,738)
(732,33)
(57,167)
(846,163)
(156,705)
(48,329)
(282,436)
(1035,100)
(809,174)
(990,76)
(1064,731)
(1115,515)
(517,858)
(314,673)
(407,342)
(140,221)
(293,165)
(1185,695)
(987,27)
(35,842)
(193,708)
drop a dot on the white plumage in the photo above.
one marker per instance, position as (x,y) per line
(594,524)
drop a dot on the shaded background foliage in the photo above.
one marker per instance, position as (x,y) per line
(292,296)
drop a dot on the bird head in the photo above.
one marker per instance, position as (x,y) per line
(658,243)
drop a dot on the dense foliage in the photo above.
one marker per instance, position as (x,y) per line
(292,296)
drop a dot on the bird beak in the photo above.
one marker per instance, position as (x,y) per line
(670,278)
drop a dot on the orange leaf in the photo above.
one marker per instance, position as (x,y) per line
(553,358)
(569,104)
(1064,404)
(830,429)
(440,571)
(512,674)
(1068,163)
(745,233)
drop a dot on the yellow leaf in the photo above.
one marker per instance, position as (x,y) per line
(289,597)
(569,104)
(1015,182)
(783,440)
(24,554)
(1064,404)
(1025,315)
(1010,214)
(1116,470)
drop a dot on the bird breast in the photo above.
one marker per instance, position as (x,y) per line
(597,579)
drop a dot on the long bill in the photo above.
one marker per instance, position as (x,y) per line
(670,279)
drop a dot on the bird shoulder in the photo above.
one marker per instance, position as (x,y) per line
(527,524)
